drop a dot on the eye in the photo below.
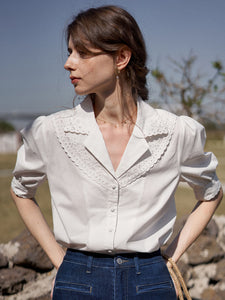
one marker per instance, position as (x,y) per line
(69,51)
(83,54)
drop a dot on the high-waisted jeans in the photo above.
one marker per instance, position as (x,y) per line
(86,275)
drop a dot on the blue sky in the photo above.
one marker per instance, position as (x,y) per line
(33,49)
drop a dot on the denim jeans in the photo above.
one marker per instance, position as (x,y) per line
(85,275)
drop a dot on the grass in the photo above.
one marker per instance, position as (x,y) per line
(7,161)
(10,221)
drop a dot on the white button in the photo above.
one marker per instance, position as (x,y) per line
(113,187)
(110,229)
(113,209)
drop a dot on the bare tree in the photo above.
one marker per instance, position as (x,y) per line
(190,93)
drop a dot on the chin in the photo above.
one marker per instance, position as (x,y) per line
(80,93)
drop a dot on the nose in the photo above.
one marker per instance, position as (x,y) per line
(67,64)
(70,64)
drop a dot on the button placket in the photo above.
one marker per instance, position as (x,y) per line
(112,214)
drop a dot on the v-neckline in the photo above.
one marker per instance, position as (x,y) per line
(121,155)
(122,158)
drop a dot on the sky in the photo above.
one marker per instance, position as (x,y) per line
(33,49)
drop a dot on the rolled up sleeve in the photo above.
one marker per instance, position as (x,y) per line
(198,168)
(30,167)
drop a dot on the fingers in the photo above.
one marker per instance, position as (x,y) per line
(53,284)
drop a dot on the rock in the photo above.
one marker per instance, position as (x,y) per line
(204,250)
(183,268)
(30,254)
(200,278)
(220,271)
(211,294)
(12,280)
(212,229)
(220,221)
(40,288)
(221,294)
(44,297)
(9,250)
(3,261)
(220,286)
(197,286)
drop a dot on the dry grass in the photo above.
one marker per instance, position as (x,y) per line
(11,224)
(7,161)
(185,201)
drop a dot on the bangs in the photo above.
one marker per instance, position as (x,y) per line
(88,37)
(81,42)
(82,46)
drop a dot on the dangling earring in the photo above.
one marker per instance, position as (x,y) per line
(117,74)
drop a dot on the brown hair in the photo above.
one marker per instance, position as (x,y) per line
(108,28)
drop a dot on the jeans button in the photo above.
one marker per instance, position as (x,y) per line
(119,261)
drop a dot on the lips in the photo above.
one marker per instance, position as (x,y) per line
(74,80)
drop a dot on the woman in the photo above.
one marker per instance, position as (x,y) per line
(113,164)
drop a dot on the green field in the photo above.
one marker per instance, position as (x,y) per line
(11,224)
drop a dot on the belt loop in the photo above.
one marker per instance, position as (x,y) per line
(136,263)
(89,263)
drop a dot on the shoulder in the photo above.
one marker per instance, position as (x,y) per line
(43,126)
(67,113)
(184,129)
(149,113)
(166,115)
(190,129)
(183,125)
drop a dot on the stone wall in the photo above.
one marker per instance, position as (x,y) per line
(26,273)
(203,264)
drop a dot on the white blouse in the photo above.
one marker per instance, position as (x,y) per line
(98,209)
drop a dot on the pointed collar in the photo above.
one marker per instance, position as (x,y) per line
(149,123)
(85,119)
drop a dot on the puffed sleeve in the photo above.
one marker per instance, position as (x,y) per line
(198,168)
(30,167)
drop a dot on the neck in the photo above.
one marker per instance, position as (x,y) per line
(113,109)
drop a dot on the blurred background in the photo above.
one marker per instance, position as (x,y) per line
(186,46)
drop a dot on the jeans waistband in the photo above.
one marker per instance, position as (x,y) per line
(119,260)
(125,255)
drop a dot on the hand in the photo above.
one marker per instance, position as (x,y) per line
(53,284)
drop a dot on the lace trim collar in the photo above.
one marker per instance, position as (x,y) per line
(148,120)
(152,134)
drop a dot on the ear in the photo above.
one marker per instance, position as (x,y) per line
(123,57)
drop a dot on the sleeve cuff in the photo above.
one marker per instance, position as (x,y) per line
(209,192)
(20,191)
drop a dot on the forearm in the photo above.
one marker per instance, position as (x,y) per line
(37,225)
(196,222)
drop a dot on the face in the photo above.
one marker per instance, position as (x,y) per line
(91,74)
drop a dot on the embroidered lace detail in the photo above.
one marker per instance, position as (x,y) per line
(71,133)
(158,135)
(72,130)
